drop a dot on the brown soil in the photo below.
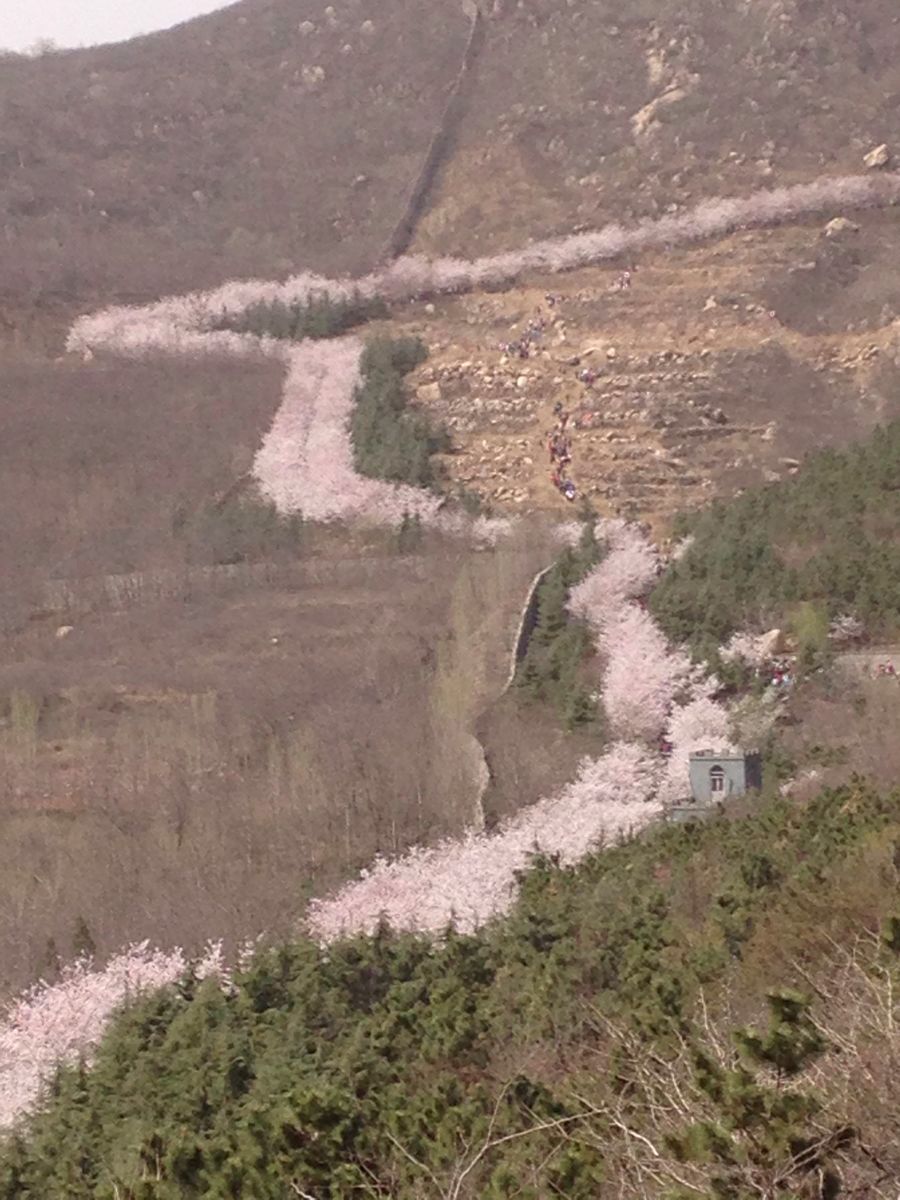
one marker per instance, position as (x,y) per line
(709,378)
(528,754)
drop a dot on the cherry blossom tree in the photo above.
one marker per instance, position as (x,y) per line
(699,724)
(626,572)
(61,1022)
(641,676)
(750,648)
(305,463)
(185,325)
(471,880)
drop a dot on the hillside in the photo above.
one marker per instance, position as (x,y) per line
(260,138)
(271,135)
(596,1042)
(720,367)
(350,655)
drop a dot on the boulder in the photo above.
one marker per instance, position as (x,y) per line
(879,157)
(771,643)
(429,393)
(839,226)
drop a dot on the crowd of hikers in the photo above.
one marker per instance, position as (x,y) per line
(559,441)
(559,447)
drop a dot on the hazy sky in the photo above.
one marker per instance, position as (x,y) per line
(83,22)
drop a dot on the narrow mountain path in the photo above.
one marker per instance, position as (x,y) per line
(309,434)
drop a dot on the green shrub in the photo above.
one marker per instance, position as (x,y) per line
(378,1065)
(319,317)
(551,668)
(389,441)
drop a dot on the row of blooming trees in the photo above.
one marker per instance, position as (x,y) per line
(467,881)
(187,323)
(205,322)
(650,690)
(647,689)
(58,1022)
(305,463)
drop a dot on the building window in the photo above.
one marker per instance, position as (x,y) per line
(717,781)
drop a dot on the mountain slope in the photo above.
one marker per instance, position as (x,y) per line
(268,135)
(272,136)
(593,1044)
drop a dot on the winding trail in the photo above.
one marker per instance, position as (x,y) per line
(305,462)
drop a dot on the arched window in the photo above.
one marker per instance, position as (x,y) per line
(716,780)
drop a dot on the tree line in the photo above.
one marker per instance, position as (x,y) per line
(823,543)
(621,1033)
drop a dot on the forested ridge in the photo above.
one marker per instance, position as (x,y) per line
(827,537)
(610,1038)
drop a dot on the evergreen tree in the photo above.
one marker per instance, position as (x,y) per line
(83,945)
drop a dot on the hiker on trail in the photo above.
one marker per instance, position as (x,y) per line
(569,490)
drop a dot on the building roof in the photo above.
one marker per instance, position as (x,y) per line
(725,755)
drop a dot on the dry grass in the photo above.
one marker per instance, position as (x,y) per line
(215,150)
(179,768)
(104,466)
(653,445)
(845,723)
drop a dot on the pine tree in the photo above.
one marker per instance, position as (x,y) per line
(51,963)
(83,945)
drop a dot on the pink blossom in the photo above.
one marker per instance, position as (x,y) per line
(183,325)
(305,463)
(57,1023)
(627,571)
(641,676)
(749,648)
(471,880)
